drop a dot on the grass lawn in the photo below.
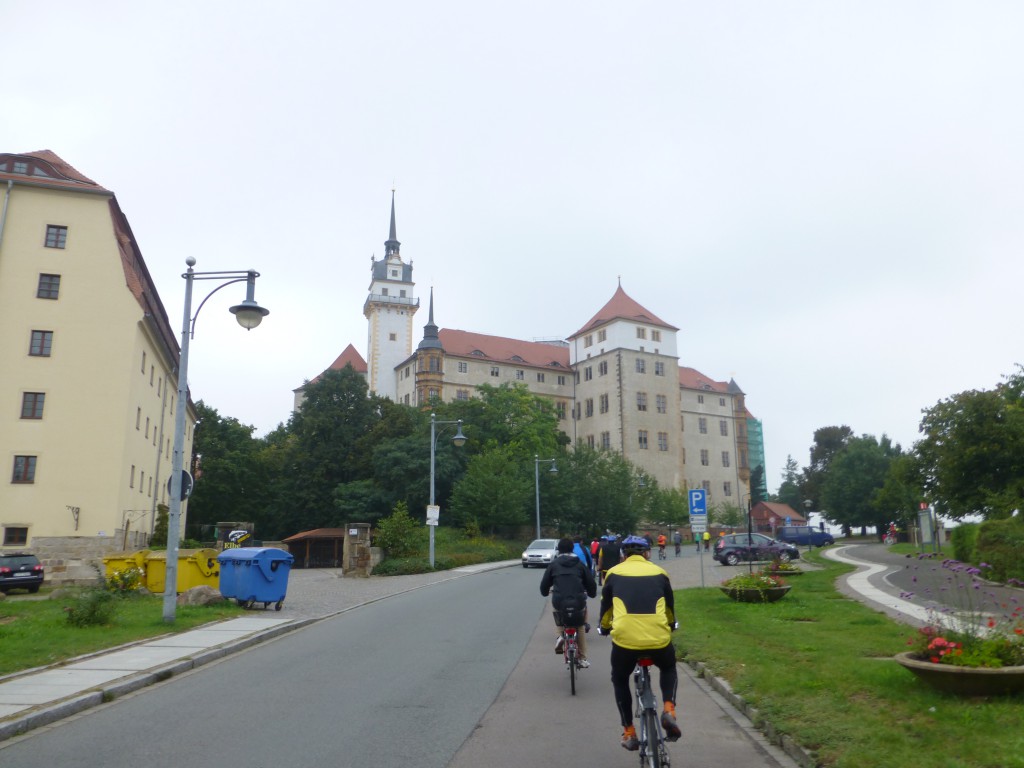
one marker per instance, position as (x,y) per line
(819,667)
(35,633)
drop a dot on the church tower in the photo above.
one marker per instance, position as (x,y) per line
(389,310)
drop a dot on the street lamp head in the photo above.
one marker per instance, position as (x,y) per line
(459,439)
(249,314)
(554,468)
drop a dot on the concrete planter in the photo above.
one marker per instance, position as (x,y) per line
(964,681)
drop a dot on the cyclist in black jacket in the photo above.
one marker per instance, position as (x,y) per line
(569,582)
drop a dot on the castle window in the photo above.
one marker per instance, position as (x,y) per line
(32,405)
(588,341)
(588,373)
(655,335)
(727,487)
(641,401)
(659,369)
(41,343)
(641,333)
(603,403)
(705,458)
(520,374)
(663,441)
(24,469)
(602,335)
(589,411)
(602,368)
(56,237)
(642,439)
(560,410)
(463,367)
(561,381)
(540,378)
(495,371)
(49,287)
(606,440)
(702,425)
(662,403)
(723,427)
(725,458)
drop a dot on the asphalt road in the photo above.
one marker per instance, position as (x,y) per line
(398,682)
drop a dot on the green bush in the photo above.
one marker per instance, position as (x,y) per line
(125,581)
(398,533)
(1000,544)
(965,538)
(93,607)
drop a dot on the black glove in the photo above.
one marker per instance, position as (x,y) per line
(675,626)
(603,632)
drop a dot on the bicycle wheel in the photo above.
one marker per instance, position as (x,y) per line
(652,755)
(571,656)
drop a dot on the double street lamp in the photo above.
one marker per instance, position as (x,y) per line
(536,482)
(458,440)
(249,314)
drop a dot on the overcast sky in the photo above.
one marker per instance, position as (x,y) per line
(825,197)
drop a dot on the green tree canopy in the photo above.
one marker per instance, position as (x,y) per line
(972,454)
(856,475)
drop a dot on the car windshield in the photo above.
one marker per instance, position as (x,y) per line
(542,544)
(16,561)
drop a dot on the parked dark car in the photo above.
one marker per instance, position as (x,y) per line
(739,547)
(804,534)
(20,570)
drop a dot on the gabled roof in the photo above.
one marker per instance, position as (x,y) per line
(46,168)
(621,307)
(691,378)
(500,349)
(769,509)
(350,356)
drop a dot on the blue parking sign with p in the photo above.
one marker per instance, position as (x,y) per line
(698,502)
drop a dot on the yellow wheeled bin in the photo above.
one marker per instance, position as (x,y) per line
(196,567)
(122,561)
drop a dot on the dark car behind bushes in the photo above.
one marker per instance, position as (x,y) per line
(20,570)
(740,547)
(804,535)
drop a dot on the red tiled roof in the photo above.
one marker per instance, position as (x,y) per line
(501,349)
(350,356)
(691,378)
(621,307)
(58,174)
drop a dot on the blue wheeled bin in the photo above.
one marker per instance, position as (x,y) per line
(251,575)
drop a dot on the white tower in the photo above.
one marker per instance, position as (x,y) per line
(389,310)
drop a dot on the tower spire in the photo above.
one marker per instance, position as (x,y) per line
(391,245)
(431,340)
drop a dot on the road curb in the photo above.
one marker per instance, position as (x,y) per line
(767,730)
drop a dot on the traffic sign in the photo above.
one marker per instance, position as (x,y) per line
(186,484)
(698,502)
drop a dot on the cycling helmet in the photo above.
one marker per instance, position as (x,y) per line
(635,545)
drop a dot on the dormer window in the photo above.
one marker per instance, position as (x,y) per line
(394,273)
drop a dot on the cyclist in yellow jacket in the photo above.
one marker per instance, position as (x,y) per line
(638,611)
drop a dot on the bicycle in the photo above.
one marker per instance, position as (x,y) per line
(889,539)
(653,750)
(661,552)
(571,654)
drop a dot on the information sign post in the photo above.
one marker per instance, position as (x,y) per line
(699,522)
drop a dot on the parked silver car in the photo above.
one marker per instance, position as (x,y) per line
(540,553)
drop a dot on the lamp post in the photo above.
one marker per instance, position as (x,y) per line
(536,482)
(249,314)
(750,534)
(458,440)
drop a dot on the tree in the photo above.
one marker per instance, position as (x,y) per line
(856,475)
(828,442)
(228,481)
(327,429)
(494,493)
(972,455)
(758,488)
(727,515)
(902,491)
(789,490)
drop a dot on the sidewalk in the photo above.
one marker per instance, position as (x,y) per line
(45,695)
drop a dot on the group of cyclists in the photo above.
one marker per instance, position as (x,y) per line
(637,612)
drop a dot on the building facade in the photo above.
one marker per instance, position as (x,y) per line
(88,375)
(616,383)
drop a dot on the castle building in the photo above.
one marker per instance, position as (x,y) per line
(616,383)
(89,374)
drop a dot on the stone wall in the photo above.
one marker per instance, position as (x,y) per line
(78,560)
